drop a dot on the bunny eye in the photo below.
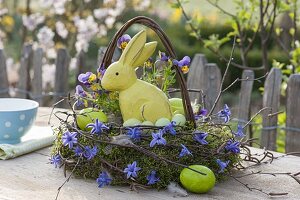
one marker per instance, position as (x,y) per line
(117,73)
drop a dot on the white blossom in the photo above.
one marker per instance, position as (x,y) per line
(45,37)
(109,21)
(100,13)
(143,5)
(86,30)
(32,21)
(48,75)
(3,11)
(57,5)
(61,29)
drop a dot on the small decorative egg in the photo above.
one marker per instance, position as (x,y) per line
(176,105)
(195,182)
(162,122)
(147,123)
(89,115)
(179,119)
(132,122)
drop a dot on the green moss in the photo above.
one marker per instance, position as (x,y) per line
(167,172)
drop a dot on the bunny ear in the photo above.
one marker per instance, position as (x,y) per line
(133,48)
(147,51)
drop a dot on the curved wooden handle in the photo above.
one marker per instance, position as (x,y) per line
(107,58)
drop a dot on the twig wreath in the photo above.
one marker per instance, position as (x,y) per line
(140,137)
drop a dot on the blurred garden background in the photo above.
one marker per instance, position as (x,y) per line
(266,33)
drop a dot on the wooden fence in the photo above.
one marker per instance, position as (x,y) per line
(203,76)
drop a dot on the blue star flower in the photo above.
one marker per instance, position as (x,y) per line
(222,165)
(202,112)
(158,139)
(239,132)
(97,127)
(233,146)
(131,170)
(78,151)
(55,160)
(184,151)
(201,137)
(103,179)
(170,128)
(151,178)
(69,139)
(225,113)
(89,152)
(134,133)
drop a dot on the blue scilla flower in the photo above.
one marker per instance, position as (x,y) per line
(152,178)
(134,133)
(170,128)
(131,170)
(123,41)
(158,139)
(225,113)
(202,113)
(97,127)
(78,151)
(239,132)
(69,139)
(89,152)
(201,137)
(222,165)
(233,146)
(103,179)
(55,160)
(184,151)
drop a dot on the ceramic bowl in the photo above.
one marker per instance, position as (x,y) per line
(16,118)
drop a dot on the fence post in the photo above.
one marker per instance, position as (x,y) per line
(210,82)
(245,97)
(37,80)
(80,64)
(4,86)
(271,99)
(193,78)
(23,86)
(61,77)
(292,114)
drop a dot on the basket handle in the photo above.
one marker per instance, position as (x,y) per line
(107,58)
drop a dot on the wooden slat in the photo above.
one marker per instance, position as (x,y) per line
(271,99)
(293,114)
(37,80)
(209,83)
(23,86)
(61,77)
(245,97)
(80,65)
(193,79)
(4,86)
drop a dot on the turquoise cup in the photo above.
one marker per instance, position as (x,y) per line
(16,118)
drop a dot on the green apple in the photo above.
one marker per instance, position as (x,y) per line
(179,119)
(195,182)
(132,122)
(89,115)
(162,122)
(176,105)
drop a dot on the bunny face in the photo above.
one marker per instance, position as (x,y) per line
(118,77)
(121,75)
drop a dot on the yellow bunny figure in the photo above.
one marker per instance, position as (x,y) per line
(138,99)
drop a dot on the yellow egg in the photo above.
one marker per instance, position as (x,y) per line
(147,123)
(89,115)
(195,182)
(132,122)
(162,122)
(179,119)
